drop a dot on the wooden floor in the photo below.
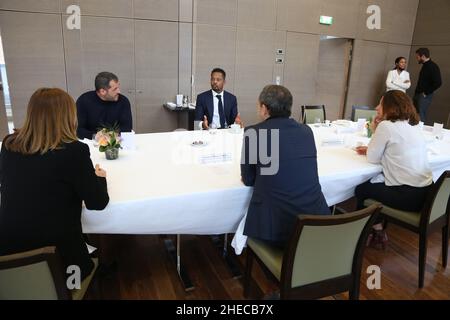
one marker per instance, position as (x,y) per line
(146,272)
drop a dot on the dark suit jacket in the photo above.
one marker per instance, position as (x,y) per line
(205,106)
(41,197)
(277,199)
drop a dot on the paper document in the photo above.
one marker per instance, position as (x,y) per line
(215,158)
(331,141)
(128,139)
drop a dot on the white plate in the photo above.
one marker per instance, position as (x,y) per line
(345,123)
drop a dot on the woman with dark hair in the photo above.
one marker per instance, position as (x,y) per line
(398,79)
(399,146)
(45,175)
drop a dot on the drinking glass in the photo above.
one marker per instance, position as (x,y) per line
(317,122)
(212,128)
(94,140)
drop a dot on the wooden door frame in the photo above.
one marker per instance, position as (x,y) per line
(348,67)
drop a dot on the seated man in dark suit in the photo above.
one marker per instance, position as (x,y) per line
(279,160)
(217,106)
(104,107)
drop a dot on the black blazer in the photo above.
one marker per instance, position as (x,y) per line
(205,107)
(294,189)
(41,197)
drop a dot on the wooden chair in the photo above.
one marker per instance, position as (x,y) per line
(311,113)
(323,256)
(434,215)
(37,275)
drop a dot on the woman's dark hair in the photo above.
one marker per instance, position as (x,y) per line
(398,61)
(277,99)
(398,106)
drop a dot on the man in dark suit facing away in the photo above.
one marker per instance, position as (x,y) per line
(279,159)
(216,107)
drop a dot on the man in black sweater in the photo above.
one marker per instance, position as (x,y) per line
(429,81)
(104,107)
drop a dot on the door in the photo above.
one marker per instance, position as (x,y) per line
(332,75)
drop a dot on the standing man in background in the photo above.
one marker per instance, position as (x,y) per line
(216,106)
(429,81)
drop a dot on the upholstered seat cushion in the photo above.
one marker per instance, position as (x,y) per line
(79,294)
(411,218)
(271,256)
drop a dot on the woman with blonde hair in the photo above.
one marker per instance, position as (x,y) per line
(45,175)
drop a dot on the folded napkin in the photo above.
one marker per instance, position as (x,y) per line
(433,149)
(239,241)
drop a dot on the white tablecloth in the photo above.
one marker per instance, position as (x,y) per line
(162,187)
(341,169)
(167,186)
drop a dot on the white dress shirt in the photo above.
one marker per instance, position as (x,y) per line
(396,81)
(401,150)
(216,115)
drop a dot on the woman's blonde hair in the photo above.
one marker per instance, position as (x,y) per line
(51,121)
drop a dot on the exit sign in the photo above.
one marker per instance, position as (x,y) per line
(326,20)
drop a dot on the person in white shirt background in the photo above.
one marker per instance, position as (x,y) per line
(398,79)
(399,146)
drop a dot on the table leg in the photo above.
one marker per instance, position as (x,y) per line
(229,258)
(175,255)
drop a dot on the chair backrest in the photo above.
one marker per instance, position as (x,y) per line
(437,203)
(363,112)
(33,275)
(324,255)
(310,113)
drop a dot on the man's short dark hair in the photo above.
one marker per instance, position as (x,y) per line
(423,52)
(277,99)
(220,71)
(103,79)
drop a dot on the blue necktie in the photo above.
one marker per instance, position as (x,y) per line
(221,112)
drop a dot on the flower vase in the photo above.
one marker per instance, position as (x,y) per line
(369,132)
(112,154)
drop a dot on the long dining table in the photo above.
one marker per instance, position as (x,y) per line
(188,182)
